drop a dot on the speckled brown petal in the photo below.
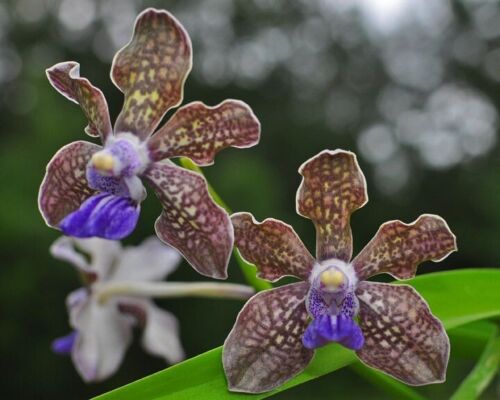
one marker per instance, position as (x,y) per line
(64,187)
(200,132)
(191,222)
(264,348)
(150,70)
(402,337)
(332,188)
(272,246)
(399,248)
(65,77)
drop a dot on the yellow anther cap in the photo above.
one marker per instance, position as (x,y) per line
(332,278)
(103,161)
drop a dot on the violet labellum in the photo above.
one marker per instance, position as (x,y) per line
(91,190)
(390,327)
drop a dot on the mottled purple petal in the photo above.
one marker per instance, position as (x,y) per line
(200,132)
(65,77)
(264,348)
(332,188)
(64,187)
(272,246)
(150,70)
(191,221)
(328,328)
(102,215)
(402,337)
(64,345)
(399,248)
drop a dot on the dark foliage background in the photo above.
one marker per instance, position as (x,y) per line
(411,86)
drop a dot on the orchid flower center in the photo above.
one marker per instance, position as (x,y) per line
(333,283)
(122,156)
(116,168)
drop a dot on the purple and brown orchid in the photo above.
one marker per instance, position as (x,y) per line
(390,327)
(96,191)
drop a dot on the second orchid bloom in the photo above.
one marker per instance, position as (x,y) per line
(94,191)
(389,326)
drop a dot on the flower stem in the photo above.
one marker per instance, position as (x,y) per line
(248,270)
(174,289)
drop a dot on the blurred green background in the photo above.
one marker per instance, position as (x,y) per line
(411,86)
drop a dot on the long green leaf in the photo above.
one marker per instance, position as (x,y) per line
(391,386)
(456,297)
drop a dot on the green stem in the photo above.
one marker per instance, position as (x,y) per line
(248,270)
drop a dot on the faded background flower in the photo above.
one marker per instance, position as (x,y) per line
(411,86)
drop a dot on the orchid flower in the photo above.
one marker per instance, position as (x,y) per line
(94,191)
(118,286)
(278,330)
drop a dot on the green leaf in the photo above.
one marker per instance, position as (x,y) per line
(384,382)
(456,297)
(483,372)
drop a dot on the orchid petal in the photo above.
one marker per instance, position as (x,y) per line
(399,248)
(103,337)
(93,255)
(64,187)
(191,222)
(102,215)
(150,70)
(264,348)
(64,249)
(152,260)
(272,246)
(200,132)
(161,335)
(332,188)
(65,78)
(402,337)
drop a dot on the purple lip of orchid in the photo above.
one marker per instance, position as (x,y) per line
(389,326)
(89,190)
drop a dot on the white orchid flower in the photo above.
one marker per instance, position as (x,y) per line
(119,284)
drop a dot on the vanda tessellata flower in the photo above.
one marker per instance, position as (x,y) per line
(390,326)
(89,190)
(119,283)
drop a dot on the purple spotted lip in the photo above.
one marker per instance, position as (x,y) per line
(96,191)
(390,327)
